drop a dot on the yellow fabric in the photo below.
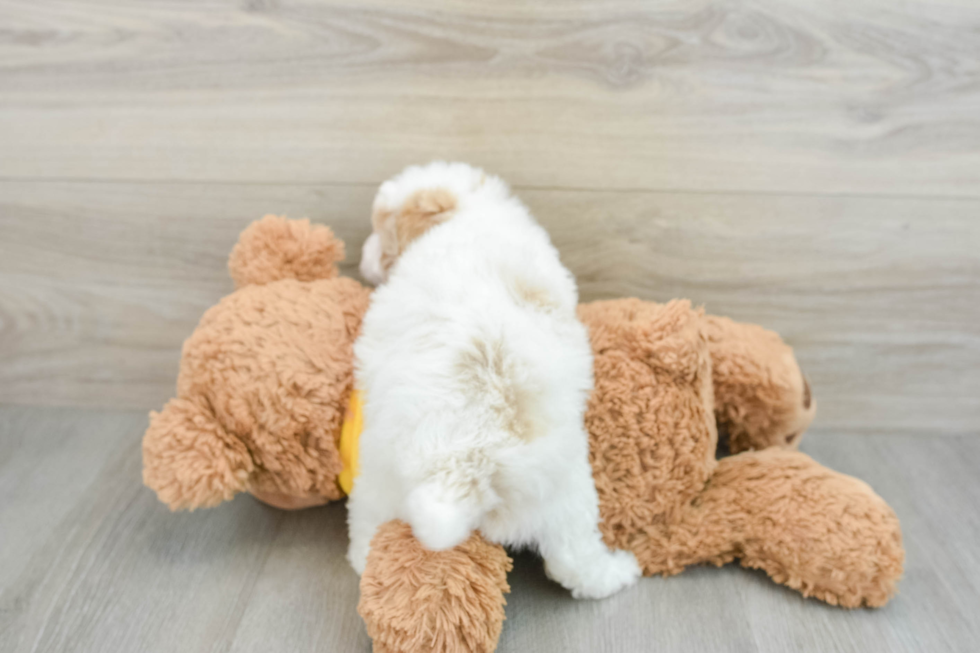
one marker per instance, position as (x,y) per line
(350,435)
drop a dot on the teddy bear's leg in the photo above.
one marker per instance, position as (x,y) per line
(820,532)
(419,601)
(189,460)
(762,398)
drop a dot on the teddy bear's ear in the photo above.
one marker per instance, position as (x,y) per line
(189,460)
(275,248)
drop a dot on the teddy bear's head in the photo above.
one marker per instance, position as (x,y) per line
(264,379)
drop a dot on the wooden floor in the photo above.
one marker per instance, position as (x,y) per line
(91,562)
(812,166)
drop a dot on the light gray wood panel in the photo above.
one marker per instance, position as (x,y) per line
(45,463)
(306,597)
(117,572)
(772,95)
(93,563)
(101,282)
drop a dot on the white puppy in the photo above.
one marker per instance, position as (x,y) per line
(476,374)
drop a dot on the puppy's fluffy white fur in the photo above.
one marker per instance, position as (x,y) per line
(476,375)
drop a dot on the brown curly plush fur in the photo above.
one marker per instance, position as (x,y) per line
(275,248)
(264,378)
(650,418)
(825,534)
(663,496)
(448,602)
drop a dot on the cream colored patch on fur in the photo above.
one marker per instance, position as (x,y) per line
(485,370)
(397,229)
(528,293)
(423,210)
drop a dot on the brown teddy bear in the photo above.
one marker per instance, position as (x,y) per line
(267,376)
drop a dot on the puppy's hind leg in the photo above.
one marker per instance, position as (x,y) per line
(570,542)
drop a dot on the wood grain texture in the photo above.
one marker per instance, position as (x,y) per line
(769,95)
(101,282)
(91,562)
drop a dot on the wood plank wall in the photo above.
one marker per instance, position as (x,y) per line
(814,167)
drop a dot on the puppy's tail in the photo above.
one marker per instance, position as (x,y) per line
(441,515)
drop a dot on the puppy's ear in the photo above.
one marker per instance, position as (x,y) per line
(423,210)
(398,228)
